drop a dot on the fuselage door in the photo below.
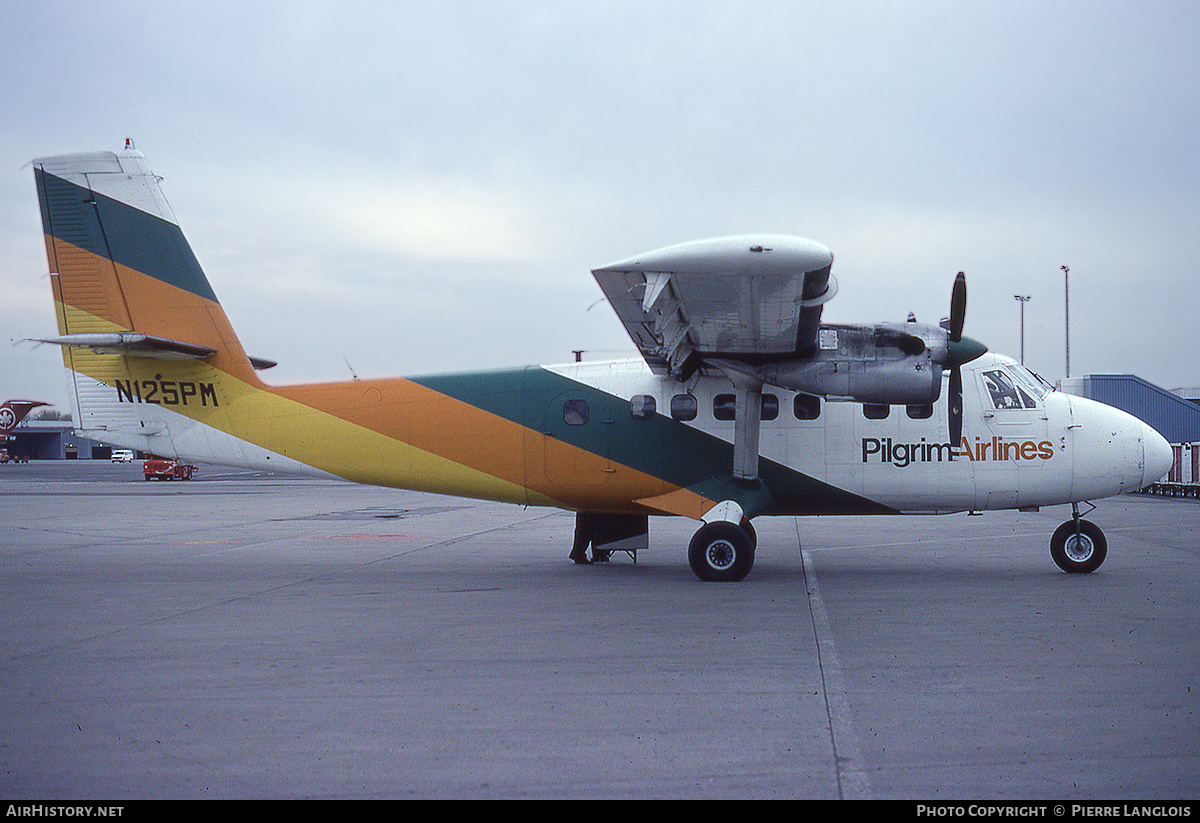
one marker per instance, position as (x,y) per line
(1013,450)
(578,428)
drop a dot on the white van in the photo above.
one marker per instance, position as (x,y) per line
(122,456)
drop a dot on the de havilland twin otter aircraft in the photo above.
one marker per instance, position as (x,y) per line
(743,403)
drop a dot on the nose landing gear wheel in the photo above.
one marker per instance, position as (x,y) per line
(1078,553)
(721,552)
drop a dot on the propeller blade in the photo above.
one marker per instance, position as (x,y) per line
(955,405)
(958,307)
(959,349)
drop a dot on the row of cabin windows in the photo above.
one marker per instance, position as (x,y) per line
(685,407)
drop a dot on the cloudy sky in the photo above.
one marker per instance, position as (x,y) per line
(414,187)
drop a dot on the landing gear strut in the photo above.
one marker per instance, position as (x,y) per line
(1078,546)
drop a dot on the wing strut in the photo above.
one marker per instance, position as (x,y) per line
(747,420)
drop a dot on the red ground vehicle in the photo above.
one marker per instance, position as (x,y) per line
(160,469)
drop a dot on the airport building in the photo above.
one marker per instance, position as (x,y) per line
(53,440)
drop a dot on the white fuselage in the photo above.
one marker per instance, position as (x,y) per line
(1034,447)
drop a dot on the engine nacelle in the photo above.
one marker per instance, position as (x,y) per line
(887,364)
(909,381)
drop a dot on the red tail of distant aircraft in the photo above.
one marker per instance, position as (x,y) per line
(13,412)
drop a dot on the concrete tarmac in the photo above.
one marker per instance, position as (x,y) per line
(256,636)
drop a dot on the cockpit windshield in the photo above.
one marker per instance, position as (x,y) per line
(1030,380)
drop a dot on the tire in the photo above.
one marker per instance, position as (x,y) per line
(748,528)
(1078,556)
(721,553)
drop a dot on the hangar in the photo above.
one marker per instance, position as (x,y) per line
(53,440)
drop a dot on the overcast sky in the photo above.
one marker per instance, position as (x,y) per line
(415,187)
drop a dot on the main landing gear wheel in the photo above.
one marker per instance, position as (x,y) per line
(1078,553)
(721,552)
(748,528)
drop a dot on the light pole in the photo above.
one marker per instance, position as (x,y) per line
(1023,298)
(1067,304)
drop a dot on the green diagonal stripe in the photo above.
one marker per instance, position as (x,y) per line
(662,447)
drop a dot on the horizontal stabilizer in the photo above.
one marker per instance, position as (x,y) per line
(133,344)
(144,345)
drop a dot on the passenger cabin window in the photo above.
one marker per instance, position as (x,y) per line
(1004,391)
(683,407)
(770,406)
(575,412)
(724,406)
(806,407)
(921,412)
(876,411)
(642,407)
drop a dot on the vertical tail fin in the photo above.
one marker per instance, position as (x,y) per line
(119,261)
(13,412)
(141,329)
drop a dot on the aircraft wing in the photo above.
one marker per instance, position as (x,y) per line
(745,297)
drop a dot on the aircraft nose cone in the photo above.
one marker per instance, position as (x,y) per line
(1157,456)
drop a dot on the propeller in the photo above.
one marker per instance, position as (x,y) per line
(959,350)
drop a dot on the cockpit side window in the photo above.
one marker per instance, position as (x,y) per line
(1004,391)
